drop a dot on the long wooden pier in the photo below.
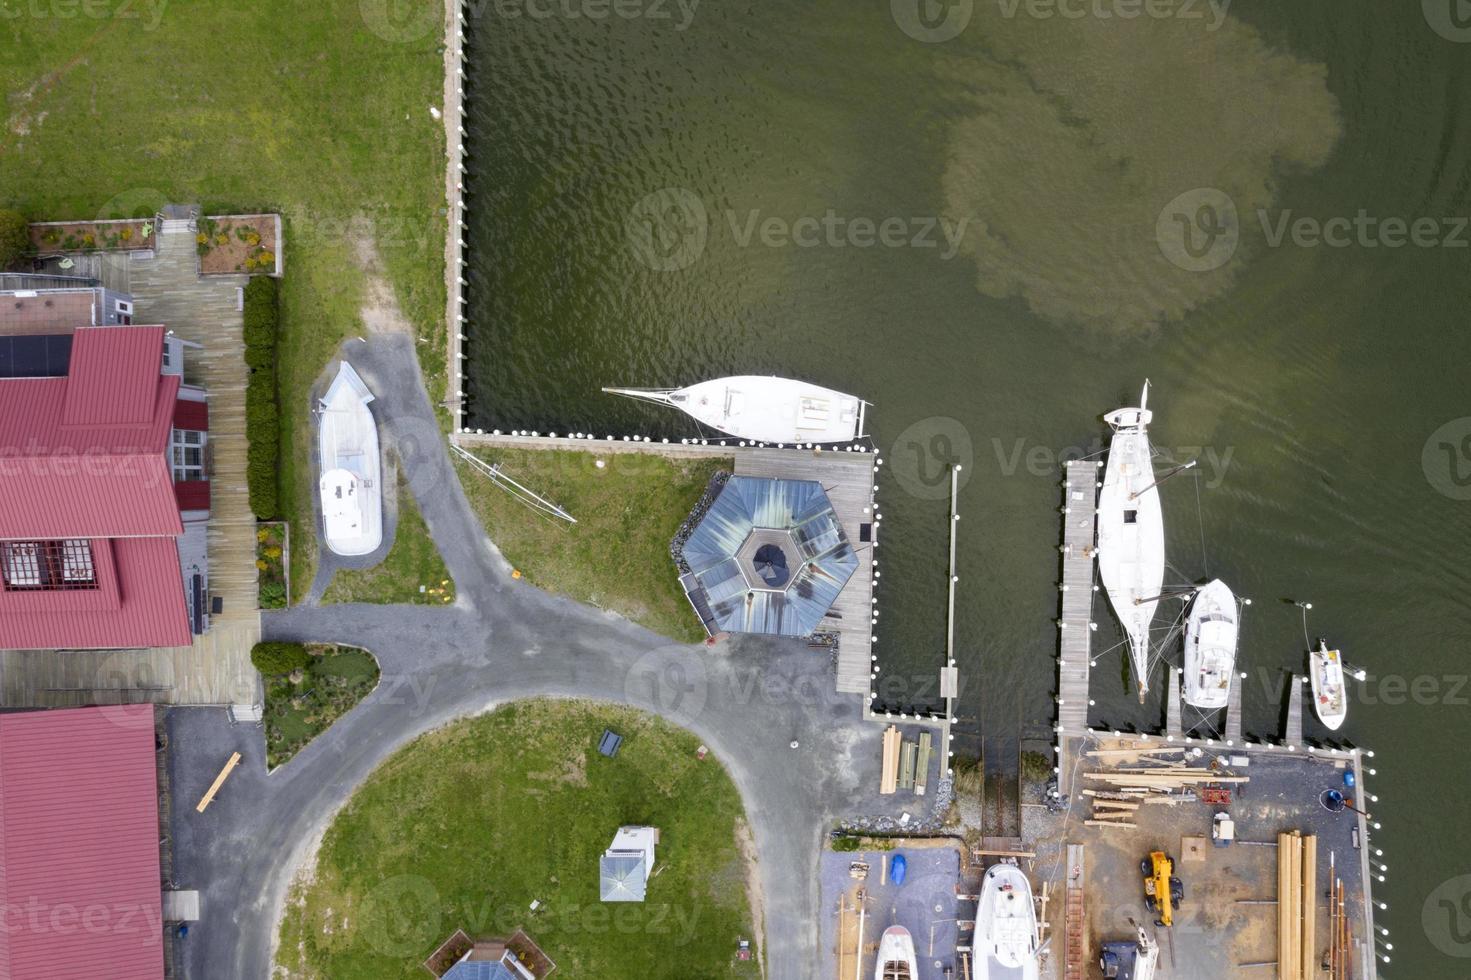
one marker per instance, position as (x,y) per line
(1294,710)
(1173,725)
(1233,712)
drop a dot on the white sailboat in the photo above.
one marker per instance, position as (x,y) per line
(1211,629)
(1006,926)
(1330,692)
(896,959)
(1131,532)
(347,441)
(765,409)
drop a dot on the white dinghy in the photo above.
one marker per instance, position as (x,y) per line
(350,487)
(1131,532)
(1211,628)
(1006,926)
(765,409)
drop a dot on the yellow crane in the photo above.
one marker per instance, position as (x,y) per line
(1163,892)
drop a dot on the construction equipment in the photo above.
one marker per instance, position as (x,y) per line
(1163,892)
(1134,959)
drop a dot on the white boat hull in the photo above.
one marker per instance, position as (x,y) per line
(1211,630)
(350,487)
(1006,926)
(1131,534)
(1330,693)
(896,959)
(779,411)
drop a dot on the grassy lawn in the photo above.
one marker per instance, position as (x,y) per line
(308,112)
(469,824)
(301,706)
(617,554)
(412,571)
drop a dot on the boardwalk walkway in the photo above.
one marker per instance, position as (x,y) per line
(1233,712)
(848,479)
(216,669)
(1294,710)
(1173,724)
(1080,519)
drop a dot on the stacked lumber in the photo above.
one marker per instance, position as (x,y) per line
(1297,906)
(889,781)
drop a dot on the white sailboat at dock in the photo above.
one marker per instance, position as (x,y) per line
(1006,926)
(773,410)
(1131,533)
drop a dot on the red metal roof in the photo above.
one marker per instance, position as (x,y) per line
(191,415)
(79,833)
(69,469)
(139,602)
(113,378)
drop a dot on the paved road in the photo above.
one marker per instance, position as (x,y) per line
(747,699)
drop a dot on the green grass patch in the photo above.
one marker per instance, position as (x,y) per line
(312,113)
(413,571)
(617,554)
(468,825)
(303,704)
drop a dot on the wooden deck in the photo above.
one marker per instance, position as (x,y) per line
(1294,710)
(1233,712)
(216,669)
(1075,627)
(1173,725)
(848,479)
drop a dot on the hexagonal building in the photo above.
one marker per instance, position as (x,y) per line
(768,556)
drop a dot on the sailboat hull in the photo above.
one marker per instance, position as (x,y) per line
(779,411)
(1211,630)
(1006,927)
(1131,535)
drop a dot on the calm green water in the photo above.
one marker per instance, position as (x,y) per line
(637,188)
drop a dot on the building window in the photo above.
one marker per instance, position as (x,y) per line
(48,566)
(188,455)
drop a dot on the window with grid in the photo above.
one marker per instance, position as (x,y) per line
(47,566)
(188,455)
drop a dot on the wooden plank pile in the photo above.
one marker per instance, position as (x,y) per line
(1136,776)
(889,780)
(1297,906)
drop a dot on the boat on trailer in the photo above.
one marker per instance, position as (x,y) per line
(1330,689)
(350,485)
(765,409)
(1211,629)
(1006,926)
(1131,532)
(896,959)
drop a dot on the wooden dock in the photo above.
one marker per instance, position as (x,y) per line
(1080,518)
(1173,725)
(848,479)
(1233,712)
(1294,710)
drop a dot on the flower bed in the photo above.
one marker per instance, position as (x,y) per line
(237,244)
(304,703)
(271,551)
(51,237)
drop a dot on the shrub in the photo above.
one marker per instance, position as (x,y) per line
(273,595)
(274,657)
(15,237)
(262,413)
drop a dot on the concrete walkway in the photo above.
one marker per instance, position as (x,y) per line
(747,699)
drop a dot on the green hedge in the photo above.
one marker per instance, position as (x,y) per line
(262,412)
(273,657)
(15,237)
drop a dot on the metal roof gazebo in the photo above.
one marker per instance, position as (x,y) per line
(769,556)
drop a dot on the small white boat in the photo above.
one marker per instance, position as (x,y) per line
(765,409)
(1210,646)
(1006,926)
(1131,532)
(896,959)
(350,486)
(1330,693)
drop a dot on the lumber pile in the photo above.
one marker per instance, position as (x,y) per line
(1297,906)
(889,780)
(1340,934)
(1145,780)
